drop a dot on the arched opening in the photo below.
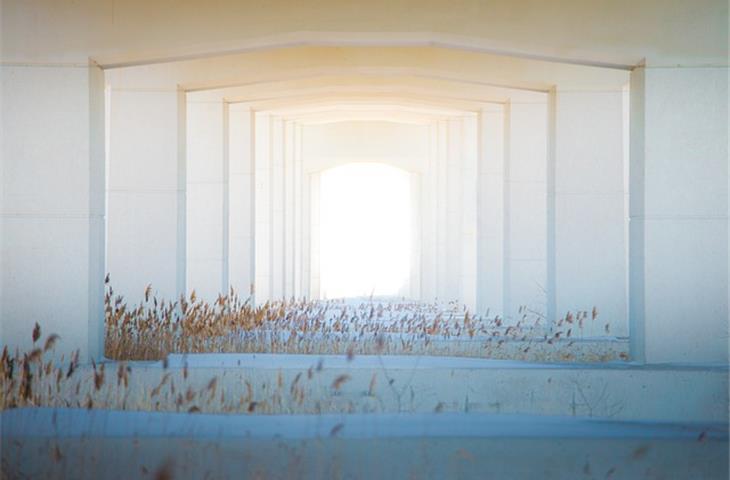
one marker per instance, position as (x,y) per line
(365,231)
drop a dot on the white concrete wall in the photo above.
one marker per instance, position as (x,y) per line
(314,237)
(299,205)
(469,215)
(413,289)
(146,191)
(241,247)
(52,206)
(289,209)
(428,214)
(454,207)
(277,193)
(525,281)
(679,214)
(440,193)
(398,144)
(262,207)
(206,199)
(589,195)
(490,210)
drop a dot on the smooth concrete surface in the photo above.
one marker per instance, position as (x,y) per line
(241,187)
(74,423)
(678,286)
(207,219)
(589,194)
(52,206)
(525,207)
(620,391)
(107,444)
(147,190)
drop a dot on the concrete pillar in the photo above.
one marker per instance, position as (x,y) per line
(298,200)
(429,214)
(277,209)
(262,207)
(454,210)
(207,197)
(314,226)
(289,207)
(52,206)
(241,188)
(588,191)
(526,209)
(678,229)
(442,251)
(468,188)
(147,186)
(490,202)
(307,271)
(414,281)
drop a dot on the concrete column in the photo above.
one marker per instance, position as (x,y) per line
(490,201)
(262,207)
(52,206)
(288,214)
(526,207)
(277,209)
(678,229)
(207,199)
(298,199)
(307,236)
(454,210)
(442,252)
(414,282)
(241,188)
(468,188)
(589,194)
(428,202)
(147,185)
(314,255)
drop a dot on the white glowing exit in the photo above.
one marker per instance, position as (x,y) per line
(365,230)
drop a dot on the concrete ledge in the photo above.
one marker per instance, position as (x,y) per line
(276,361)
(68,443)
(70,423)
(420,384)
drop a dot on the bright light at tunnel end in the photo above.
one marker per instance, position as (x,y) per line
(365,231)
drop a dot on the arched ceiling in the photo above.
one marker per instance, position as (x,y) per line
(402,86)
(333,99)
(596,32)
(437,64)
(329,110)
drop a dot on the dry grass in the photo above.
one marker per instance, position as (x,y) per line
(156,327)
(30,380)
